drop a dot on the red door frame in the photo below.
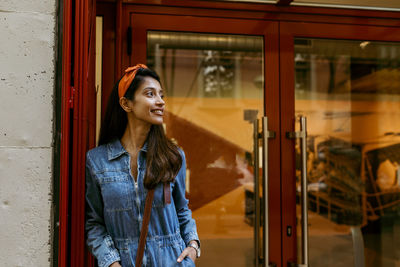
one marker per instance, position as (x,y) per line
(65,134)
(78,131)
(289,31)
(226,9)
(107,11)
(78,74)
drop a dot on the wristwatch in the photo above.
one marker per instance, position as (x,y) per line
(196,247)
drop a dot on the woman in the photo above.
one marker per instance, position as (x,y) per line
(133,157)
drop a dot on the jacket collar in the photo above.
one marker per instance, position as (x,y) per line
(115,149)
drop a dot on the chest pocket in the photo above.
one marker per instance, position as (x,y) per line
(117,191)
(158,200)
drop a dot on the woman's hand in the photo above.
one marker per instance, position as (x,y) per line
(187,252)
(115,264)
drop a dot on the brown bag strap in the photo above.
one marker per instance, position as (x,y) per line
(145,228)
(167,193)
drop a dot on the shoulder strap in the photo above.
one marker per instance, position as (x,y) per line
(145,228)
(167,193)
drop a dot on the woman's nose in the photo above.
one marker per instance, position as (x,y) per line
(160,101)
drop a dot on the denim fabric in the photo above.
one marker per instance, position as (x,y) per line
(115,208)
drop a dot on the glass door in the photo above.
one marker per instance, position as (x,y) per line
(347,166)
(213,94)
(215,84)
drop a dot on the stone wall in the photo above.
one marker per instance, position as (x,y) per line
(27,76)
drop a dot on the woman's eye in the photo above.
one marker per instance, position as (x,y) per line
(149,93)
(162,96)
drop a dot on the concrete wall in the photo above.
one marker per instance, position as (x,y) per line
(27,75)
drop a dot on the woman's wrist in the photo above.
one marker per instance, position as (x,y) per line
(194,244)
(194,249)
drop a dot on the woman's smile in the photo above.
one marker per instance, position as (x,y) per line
(158,112)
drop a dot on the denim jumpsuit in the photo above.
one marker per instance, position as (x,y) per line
(115,208)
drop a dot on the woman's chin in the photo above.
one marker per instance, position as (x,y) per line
(157,122)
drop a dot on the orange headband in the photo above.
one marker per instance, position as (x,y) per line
(126,81)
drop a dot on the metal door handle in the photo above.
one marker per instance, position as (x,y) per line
(251,116)
(257,218)
(266,135)
(304,193)
(302,135)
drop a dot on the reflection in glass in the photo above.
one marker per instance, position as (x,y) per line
(210,80)
(350,93)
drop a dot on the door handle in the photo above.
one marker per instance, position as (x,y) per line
(257,219)
(251,116)
(266,135)
(302,135)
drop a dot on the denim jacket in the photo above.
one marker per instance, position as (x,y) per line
(115,208)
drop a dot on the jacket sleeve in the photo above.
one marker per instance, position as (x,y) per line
(99,241)
(186,222)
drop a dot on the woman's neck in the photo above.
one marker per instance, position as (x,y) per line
(134,136)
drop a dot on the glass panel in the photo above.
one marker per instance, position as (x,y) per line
(210,80)
(350,93)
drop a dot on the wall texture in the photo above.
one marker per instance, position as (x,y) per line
(27,75)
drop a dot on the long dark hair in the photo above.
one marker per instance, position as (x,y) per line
(163,160)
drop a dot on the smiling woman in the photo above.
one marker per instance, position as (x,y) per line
(135,163)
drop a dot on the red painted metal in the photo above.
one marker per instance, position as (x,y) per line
(108,12)
(90,100)
(119,37)
(284,2)
(231,6)
(272,107)
(278,13)
(65,135)
(289,31)
(288,178)
(71,97)
(200,16)
(80,97)
(76,230)
(83,126)
(126,60)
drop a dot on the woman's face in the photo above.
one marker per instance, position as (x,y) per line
(148,104)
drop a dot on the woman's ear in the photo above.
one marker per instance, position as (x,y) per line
(125,104)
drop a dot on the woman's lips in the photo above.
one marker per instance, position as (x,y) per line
(159,112)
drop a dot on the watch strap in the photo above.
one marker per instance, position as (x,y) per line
(196,247)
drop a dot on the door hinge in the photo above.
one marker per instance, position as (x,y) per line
(71,97)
